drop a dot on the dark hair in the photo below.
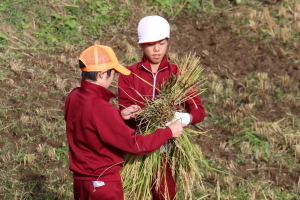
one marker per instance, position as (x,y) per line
(91,75)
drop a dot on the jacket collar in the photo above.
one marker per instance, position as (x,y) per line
(146,63)
(96,90)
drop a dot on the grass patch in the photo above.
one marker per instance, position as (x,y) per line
(252,115)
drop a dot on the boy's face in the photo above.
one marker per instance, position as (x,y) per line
(155,51)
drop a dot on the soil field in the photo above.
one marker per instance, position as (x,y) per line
(252,100)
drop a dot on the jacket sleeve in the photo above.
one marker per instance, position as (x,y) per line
(126,92)
(67,103)
(194,107)
(115,132)
(66,107)
(127,96)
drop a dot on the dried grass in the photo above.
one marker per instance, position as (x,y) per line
(17,66)
(141,172)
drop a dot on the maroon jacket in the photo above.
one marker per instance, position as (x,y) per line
(98,137)
(131,88)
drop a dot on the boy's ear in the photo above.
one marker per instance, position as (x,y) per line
(100,75)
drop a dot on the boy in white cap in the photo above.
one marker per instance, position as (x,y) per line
(154,34)
(97,135)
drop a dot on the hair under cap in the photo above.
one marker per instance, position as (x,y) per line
(152,29)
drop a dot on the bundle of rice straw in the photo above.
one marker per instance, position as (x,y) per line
(185,158)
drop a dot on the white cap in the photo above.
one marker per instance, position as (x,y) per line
(153,28)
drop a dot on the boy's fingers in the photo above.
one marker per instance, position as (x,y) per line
(135,107)
(133,115)
(182,124)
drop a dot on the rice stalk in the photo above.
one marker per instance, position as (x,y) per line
(141,173)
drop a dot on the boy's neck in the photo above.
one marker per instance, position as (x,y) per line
(154,67)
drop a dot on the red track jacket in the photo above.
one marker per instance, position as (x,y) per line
(98,137)
(131,88)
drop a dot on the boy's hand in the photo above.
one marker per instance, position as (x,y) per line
(130,112)
(176,128)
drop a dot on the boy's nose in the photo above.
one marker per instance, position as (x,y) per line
(156,47)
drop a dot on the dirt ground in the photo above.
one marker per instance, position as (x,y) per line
(223,53)
(234,57)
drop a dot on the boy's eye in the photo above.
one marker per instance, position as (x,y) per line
(153,43)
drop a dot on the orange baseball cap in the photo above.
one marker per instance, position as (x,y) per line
(98,58)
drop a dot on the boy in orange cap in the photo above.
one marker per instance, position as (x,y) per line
(154,34)
(97,135)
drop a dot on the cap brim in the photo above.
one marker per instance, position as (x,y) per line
(121,69)
(150,41)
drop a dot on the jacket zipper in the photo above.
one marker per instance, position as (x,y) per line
(154,80)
